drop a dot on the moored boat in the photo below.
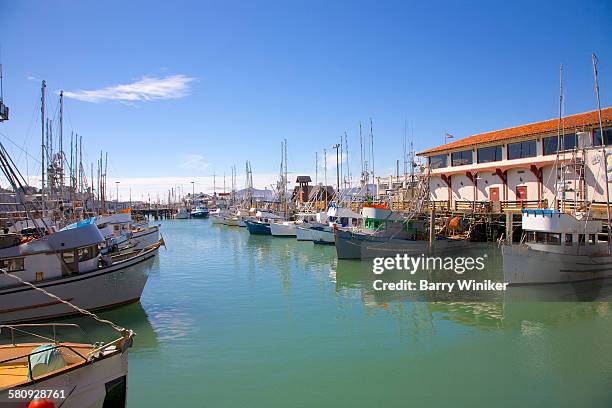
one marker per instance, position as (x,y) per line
(62,373)
(200,212)
(555,248)
(69,265)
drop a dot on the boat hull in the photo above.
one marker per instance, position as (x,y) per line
(86,385)
(258,228)
(524,266)
(118,284)
(145,237)
(283,230)
(322,236)
(303,234)
(231,222)
(199,214)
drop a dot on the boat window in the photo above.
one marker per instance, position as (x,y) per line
(592,239)
(580,239)
(553,239)
(568,239)
(461,158)
(519,150)
(12,265)
(489,154)
(70,266)
(540,237)
(88,253)
(438,162)
(531,236)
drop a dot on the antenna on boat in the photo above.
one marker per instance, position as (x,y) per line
(603,150)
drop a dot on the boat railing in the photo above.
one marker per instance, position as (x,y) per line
(26,329)
(65,351)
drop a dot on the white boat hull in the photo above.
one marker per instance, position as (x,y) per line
(121,283)
(323,236)
(283,229)
(523,265)
(231,222)
(85,385)
(303,234)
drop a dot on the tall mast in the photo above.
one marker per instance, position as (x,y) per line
(42,144)
(559,139)
(61,143)
(316,168)
(81,163)
(603,152)
(372,152)
(348,169)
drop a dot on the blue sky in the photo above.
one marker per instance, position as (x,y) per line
(225,81)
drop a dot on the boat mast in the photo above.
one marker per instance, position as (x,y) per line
(603,152)
(42,145)
(61,143)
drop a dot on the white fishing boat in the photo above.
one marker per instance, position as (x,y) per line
(182,214)
(68,264)
(231,221)
(217,216)
(557,247)
(36,364)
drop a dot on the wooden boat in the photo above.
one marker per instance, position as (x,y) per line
(36,363)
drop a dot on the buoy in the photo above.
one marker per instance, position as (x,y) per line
(41,403)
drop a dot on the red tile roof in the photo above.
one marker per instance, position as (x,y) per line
(547,126)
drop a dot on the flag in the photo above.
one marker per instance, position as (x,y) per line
(449,136)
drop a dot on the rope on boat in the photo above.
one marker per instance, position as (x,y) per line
(116,327)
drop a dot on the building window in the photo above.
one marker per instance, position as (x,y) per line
(607,137)
(438,162)
(521,150)
(12,265)
(568,239)
(592,239)
(553,239)
(489,154)
(549,144)
(461,158)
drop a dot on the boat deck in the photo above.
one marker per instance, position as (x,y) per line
(12,374)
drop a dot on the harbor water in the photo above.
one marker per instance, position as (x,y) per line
(233,320)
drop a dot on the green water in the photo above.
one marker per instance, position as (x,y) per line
(233,320)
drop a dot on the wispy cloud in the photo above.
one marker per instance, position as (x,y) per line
(194,162)
(144,90)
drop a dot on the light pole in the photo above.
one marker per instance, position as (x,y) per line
(117,198)
(337,146)
(192,191)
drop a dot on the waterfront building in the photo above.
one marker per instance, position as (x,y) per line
(523,166)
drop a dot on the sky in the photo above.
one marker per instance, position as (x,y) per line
(178,92)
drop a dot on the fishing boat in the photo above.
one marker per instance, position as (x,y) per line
(217,216)
(68,264)
(555,248)
(182,214)
(379,226)
(231,220)
(200,212)
(290,228)
(260,224)
(335,218)
(36,363)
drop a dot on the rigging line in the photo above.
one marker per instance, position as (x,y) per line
(78,309)
(20,148)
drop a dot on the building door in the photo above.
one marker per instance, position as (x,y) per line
(521,193)
(494,194)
